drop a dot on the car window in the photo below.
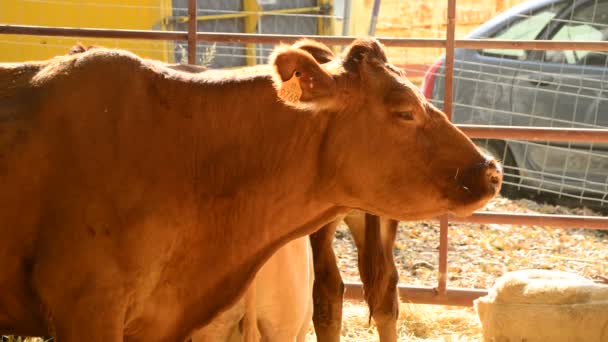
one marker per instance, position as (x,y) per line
(527,27)
(589,22)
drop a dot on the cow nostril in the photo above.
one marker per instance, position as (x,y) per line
(495,176)
(494,172)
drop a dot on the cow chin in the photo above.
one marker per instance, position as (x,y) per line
(465,204)
(465,210)
(474,188)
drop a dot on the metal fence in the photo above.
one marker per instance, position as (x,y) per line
(310,17)
(280,16)
(553,88)
(439,294)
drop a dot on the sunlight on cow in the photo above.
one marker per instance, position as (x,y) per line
(138,201)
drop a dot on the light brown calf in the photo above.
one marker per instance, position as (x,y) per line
(278,302)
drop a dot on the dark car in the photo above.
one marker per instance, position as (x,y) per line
(538,88)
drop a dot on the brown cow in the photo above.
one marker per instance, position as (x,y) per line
(138,202)
(375,241)
(277,306)
(377,268)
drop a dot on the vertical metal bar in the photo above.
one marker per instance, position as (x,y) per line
(251,25)
(166,11)
(374,18)
(346,19)
(192,31)
(447,107)
(449,59)
(442,276)
(320,21)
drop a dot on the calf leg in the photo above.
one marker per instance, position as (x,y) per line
(328,288)
(301,337)
(375,238)
(237,324)
(386,312)
(250,321)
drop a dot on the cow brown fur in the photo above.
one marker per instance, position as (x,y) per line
(138,201)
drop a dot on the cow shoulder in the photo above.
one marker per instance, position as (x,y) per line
(101,61)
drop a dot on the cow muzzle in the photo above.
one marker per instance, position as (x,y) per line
(476,186)
(482,178)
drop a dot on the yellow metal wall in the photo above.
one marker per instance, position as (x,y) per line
(113,14)
(428,19)
(360,18)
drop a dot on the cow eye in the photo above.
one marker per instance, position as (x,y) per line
(405,115)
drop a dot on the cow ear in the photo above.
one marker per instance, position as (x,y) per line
(299,79)
(320,52)
(366,50)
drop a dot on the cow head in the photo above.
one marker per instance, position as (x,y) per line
(388,150)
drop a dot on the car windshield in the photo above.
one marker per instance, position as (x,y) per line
(526,27)
(590,23)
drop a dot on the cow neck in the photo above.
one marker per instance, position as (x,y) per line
(255,157)
(247,137)
(256,175)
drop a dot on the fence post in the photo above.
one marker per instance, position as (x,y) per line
(374,19)
(251,7)
(346,18)
(192,31)
(447,108)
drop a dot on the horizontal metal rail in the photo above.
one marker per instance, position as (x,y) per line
(563,221)
(282,38)
(536,133)
(93,32)
(423,294)
(242,14)
(329,40)
(531,44)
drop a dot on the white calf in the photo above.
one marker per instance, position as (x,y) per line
(543,305)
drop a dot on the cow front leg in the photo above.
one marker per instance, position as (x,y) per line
(386,311)
(375,238)
(328,288)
